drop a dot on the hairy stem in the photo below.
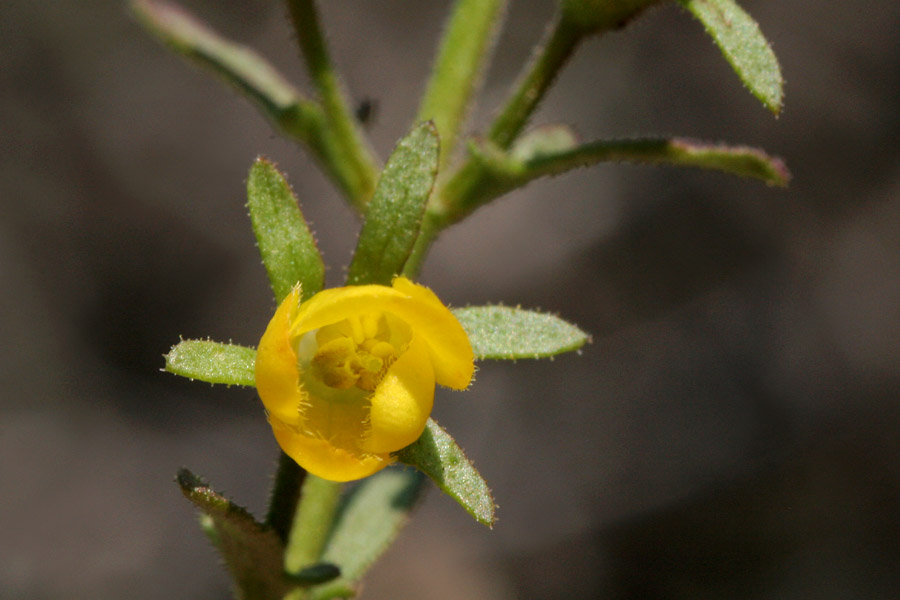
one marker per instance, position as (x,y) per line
(285,494)
(360,163)
(457,70)
(539,75)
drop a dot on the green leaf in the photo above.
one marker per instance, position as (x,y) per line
(238,65)
(744,47)
(497,172)
(502,332)
(394,216)
(437,455)
(369,519)
(213,362)
(252,552)
(295,115)
(465,47)
(288,249)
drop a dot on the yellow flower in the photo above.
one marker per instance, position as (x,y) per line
(348,376)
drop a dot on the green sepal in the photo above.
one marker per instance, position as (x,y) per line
(503,332)
(370,517)
(744,47)
(394,216)
(213,362)
(287,246)
(252,552)
(437,455)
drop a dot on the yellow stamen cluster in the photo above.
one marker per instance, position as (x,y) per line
(352,353)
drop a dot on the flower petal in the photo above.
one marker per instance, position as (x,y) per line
(324,460)
(402,401)
(335,304)
(277,375)
(451,352)
(448,344)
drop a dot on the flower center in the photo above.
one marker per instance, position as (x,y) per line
(341,365)
(355,352)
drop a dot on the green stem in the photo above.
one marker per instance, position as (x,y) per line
(444,207)
(360,162)
(457,70)
(285,493)
(539,75)
(312,522)
(296,116)
(428,232)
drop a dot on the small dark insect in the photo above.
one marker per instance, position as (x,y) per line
(366,110)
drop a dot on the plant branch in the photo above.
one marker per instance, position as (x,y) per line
(501,172)
(312,522)
(464,50)
(296,116)
(548,60)
(351,145)
(285,494)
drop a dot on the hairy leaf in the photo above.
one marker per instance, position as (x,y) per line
(287,247)
(744,47)
(503,332)
(252,552)
(395,213)
(370,518)
(437,455)
(213,362)
(238,65)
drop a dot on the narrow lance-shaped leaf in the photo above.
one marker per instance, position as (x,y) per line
(213,362)
(437,455)
(503,172)
(744,47)
(252,552)
(394,216)
(369,519)
(503,332)
(240,66)
(288,249)
(293,114)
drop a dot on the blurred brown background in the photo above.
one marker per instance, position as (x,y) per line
(731,433)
